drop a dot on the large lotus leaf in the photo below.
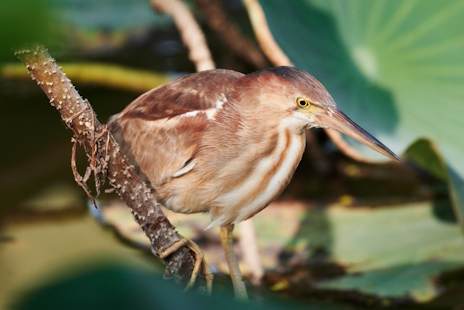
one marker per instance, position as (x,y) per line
(393,252)
(395,67)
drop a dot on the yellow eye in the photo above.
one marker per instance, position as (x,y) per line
(302,102)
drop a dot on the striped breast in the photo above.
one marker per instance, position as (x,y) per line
(266,181)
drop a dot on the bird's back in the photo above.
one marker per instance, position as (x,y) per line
(193,92)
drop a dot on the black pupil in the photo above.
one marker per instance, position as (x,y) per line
(302,102)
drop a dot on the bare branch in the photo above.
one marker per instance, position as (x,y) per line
(220,22)
(105,157)
(190,32)
(264,36)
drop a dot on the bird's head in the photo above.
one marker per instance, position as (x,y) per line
(311,105)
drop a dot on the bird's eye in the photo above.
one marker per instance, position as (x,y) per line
(302,102)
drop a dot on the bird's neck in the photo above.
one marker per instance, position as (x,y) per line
(255,160)
(240,132)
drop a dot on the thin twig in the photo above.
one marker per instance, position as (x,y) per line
(77,177)
(69,120)
(189,30)
(264,36)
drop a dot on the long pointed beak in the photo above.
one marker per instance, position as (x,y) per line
(336,119)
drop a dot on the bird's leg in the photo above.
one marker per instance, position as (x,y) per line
(234,269)
(199,262)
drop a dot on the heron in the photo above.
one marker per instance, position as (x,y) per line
(227,144)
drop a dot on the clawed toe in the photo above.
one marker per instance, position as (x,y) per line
(199,262)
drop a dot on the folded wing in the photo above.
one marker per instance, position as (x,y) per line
(161,130)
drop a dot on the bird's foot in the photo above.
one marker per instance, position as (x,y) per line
(200,262)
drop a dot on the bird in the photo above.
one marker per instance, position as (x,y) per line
(227,144)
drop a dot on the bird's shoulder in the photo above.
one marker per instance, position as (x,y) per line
(193,92)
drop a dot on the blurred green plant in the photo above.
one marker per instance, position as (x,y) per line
(392,252)
(110,14)
(123,287)
(396,68)
(113,76)
(26,22)
(385,252)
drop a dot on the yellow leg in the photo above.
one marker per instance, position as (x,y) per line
(199,262)
(234,269)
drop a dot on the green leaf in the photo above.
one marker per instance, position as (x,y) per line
(425,154)
(395,67)
(393,251)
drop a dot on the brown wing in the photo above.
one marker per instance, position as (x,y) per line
(156,132)
(192,92)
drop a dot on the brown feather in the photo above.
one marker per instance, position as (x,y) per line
(193,92)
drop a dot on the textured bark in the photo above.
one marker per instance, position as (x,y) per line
(106,160)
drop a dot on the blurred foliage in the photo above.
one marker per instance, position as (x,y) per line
(395,67)
(76,264)
(56,197)
(112,76)
(110,14)
(123,287)
(424,153)
(386,252)
(393,252)
(27,22)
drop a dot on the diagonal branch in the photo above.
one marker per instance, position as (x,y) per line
(106,159)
